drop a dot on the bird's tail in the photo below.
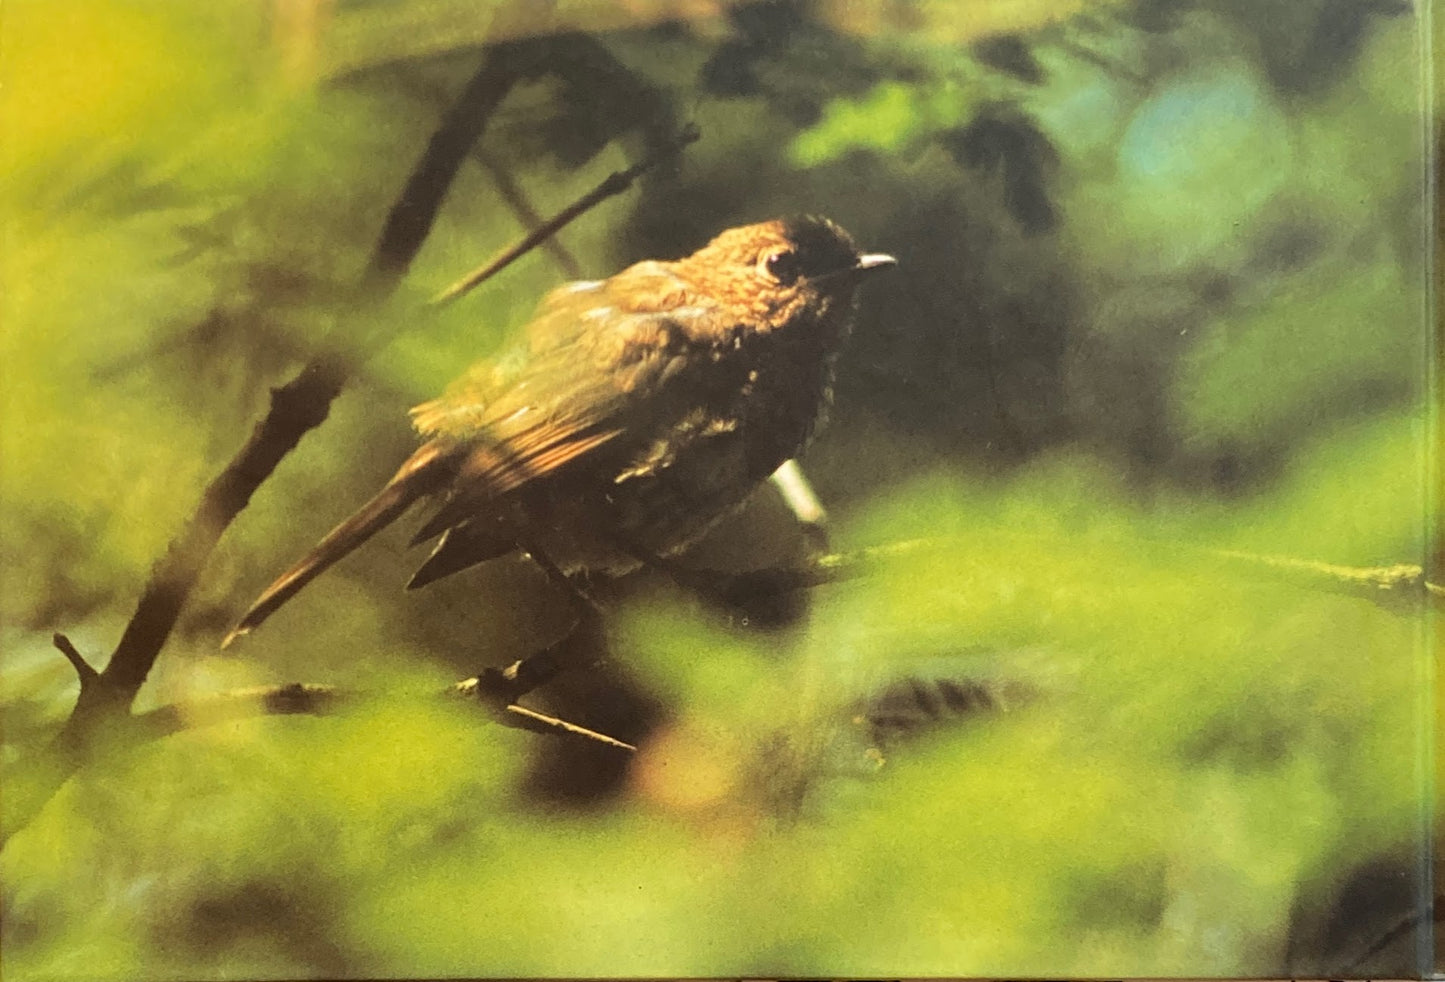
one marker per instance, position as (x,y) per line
(425,472)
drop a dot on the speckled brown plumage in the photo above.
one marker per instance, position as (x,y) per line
(633,414)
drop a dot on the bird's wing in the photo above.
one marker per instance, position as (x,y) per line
(594,373)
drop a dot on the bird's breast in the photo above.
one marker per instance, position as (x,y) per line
(730,417)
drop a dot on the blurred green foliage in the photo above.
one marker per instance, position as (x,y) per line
(891,118)
(1161,292)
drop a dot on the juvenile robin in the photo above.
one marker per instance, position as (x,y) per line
(634,413)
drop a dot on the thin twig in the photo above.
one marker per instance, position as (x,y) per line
(613,184)
(298,699)
(541,723)
(516,199)
(1412,922)
(1400,583)
(1113,67)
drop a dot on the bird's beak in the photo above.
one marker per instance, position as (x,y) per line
(873,261)
(870,263)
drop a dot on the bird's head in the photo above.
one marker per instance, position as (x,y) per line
(778,269)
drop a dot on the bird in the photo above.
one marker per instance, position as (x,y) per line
(632,414)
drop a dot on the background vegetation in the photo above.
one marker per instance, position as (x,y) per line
(1162,295)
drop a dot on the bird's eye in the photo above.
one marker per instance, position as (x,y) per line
(783,266)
